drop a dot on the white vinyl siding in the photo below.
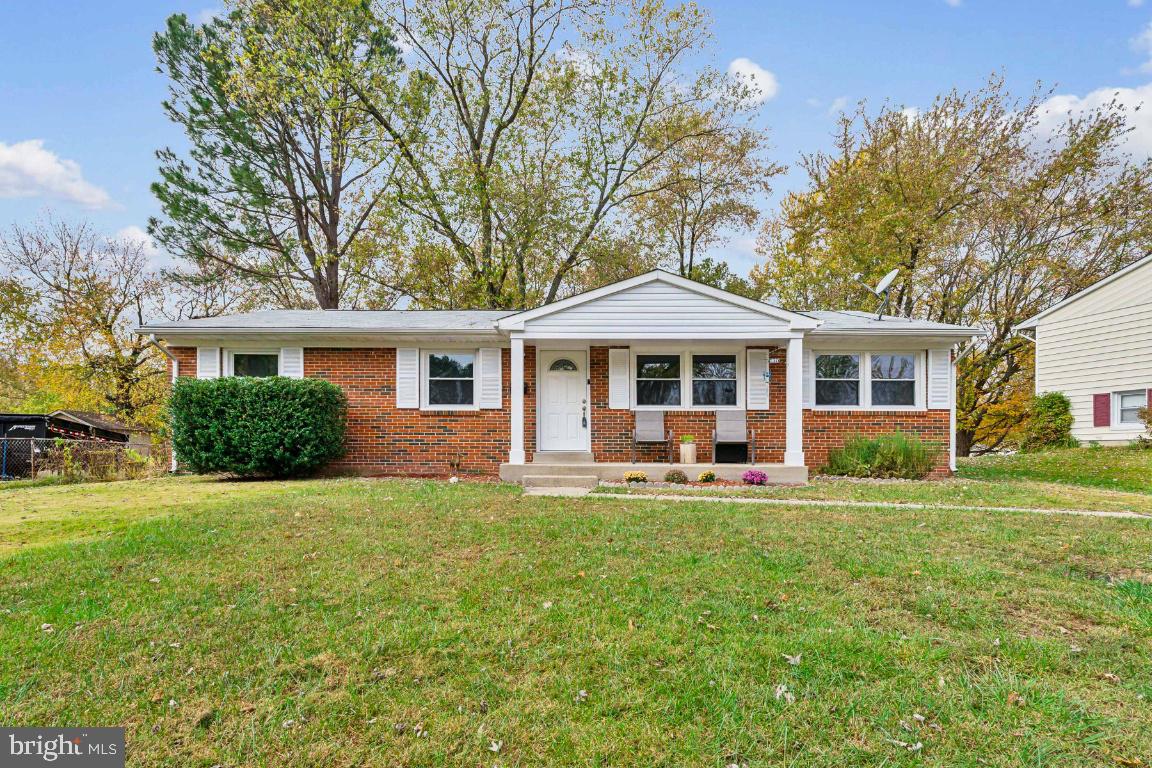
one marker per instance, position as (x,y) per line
(654,310)
(1099,344)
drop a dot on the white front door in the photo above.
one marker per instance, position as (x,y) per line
(563,407)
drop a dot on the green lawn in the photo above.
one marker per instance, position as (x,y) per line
(347,623)
(1107,479)
(1124,469)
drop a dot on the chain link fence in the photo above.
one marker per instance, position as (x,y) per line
(28,458)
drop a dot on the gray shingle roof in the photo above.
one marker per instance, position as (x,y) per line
(852,321)
(396,320)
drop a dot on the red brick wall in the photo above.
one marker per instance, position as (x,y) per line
(186,357)
(825,430)
(386,440)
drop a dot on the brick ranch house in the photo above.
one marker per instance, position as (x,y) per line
(562,389)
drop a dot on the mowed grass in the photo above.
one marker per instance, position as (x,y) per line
(1101,479)
(1121,468)
(404,623)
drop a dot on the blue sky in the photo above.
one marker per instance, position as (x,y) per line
(80,113)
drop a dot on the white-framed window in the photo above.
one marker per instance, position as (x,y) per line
(838,379)
(449,380)
(658,380)
(1126,407)
(893,379)
(669,378)
(258,363)
(714,380)
(872,380)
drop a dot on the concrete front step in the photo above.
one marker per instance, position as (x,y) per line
(560,481)
(562,457)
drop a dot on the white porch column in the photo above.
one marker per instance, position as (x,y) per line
(516,449)
(794,406)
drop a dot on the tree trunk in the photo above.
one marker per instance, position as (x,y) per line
(964,438)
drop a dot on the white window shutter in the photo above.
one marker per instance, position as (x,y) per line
(618,378)
(292,362)
(939,378)
(407,377)
(491,375)
(207,362)
(757,389)
(809,373)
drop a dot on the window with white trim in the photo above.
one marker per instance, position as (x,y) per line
(714,380)
(256,364)
(1128,405)
(837,379)
(658,380)
(881,380)
(450,379)
(893,379)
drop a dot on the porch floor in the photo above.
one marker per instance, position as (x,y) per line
(777,473)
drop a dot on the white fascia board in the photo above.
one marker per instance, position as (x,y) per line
(796,320)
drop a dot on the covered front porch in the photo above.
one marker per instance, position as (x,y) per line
(604,384)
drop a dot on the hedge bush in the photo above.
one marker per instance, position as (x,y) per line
(895,455)
(257,427)
(1049,423)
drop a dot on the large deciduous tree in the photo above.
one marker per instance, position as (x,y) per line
(990,213)
(283,170)
(69,306)
(520,130)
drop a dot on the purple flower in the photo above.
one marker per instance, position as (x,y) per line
(755,477)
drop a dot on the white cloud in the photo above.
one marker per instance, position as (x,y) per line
(1135,3)
(955,3)
(1142,44)
(763,81)
(838,104)
(1137,102)
(27,169)
(205,15)
(135,234)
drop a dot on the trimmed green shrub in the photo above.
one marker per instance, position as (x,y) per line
(895,455)
(257,427)
(675,476)
(1049,423)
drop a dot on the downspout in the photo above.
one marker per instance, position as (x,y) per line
(175,375)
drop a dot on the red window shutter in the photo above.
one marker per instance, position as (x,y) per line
(1102,410)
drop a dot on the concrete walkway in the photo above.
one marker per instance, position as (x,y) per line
(1126,514)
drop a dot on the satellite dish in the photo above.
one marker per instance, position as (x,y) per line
(881,289)
(882,286)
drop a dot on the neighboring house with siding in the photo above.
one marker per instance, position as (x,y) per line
(569,389)
(1096,348)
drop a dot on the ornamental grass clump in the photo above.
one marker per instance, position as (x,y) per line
(897,455)
(257,427)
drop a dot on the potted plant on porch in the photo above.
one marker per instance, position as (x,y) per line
(687,449)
